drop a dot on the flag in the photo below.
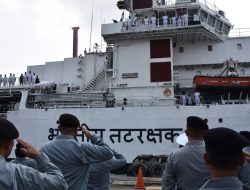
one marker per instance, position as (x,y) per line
(122,17)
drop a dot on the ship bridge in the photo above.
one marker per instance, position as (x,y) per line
(183,20)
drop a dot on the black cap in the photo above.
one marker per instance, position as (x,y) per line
(245,134)
(68,120)
(8,130)
(196,123)
(224,142)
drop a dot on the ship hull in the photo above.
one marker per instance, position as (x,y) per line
(130,130)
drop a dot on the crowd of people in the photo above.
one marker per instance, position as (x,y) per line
(63,163)
(211,159)
(188,100)
(180,20)
(24,79)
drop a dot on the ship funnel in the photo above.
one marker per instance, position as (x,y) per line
(75,41)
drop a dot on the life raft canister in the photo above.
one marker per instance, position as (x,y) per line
(167,92)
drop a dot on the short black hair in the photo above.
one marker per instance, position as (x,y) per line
(224,163)
(3,141)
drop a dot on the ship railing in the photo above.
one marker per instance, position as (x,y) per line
(192,21)
(239,32)
(171,3)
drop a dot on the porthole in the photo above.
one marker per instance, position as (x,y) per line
(220,120)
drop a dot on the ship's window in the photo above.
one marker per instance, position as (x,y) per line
(203,16)
(160,48)
(170,14)
(220,120)
(142,4)
(160,71)
(219,25)
(239,46)
(181,49)
(210,48)
(211,20)
(226,29)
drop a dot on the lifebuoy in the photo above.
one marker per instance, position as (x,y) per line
(167,92)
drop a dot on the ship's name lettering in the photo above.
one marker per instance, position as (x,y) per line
(156,135)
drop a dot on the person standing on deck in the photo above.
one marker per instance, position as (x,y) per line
(25,78)
(10,80)
(153,22)
(1,79)
(21,78)
(185,168)
(183,99)
(73,158)
(165,20)
(197,98)
(146,20)
(189,99)
(5,80)
(174,21)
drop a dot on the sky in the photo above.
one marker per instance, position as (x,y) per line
(37,31)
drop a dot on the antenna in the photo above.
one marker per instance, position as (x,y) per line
(90,37)
(101,23)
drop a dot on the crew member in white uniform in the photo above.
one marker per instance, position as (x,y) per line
(197,98)
(146,20)
(129,23)
(153,22)
(165,21)
(174,21)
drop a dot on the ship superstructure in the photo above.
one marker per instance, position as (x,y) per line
(130,94)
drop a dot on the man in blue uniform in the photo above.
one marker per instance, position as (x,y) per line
(20,177)
(224,157)
(74,158)
(99,177)
(185,168)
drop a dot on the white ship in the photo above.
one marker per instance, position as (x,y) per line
(130,94)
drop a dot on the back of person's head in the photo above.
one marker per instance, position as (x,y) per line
(68,123)
(8,132)
(195,126)
(224,148)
